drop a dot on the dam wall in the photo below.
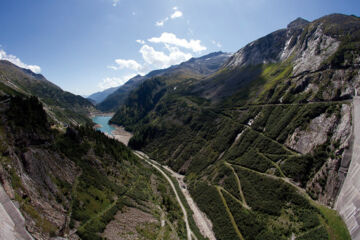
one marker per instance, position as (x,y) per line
(348,201)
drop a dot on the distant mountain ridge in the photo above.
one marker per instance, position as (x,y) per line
(193,68)
(64,107)
(98,97)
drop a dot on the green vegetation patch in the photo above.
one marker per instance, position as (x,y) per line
(335,226)
(253,160)
(317,233)
(209,201)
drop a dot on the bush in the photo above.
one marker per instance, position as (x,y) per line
(210,202)
(317,233)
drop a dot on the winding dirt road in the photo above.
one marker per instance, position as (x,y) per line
(155,165)
(201,220)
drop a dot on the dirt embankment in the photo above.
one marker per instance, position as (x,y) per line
(121,134)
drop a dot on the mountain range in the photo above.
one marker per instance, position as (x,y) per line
(194,68)
(98,97)
(261,140)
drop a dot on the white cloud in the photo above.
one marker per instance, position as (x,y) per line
(15,60)
(114,81)
(176,14)
(158,59)
(175,51)
(170,38)
(34,68)
(113,67)
(126,64)
(140,41)
(161,22)
(218,44)
(115,2)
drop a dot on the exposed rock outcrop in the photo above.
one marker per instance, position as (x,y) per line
(325,184)
(306,140)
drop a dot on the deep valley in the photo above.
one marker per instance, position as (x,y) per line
(262,144)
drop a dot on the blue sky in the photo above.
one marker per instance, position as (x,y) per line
(85,46)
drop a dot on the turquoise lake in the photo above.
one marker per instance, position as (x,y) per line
(104,122)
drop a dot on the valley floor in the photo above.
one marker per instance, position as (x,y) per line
(202,222)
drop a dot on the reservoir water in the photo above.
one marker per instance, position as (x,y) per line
(103,121)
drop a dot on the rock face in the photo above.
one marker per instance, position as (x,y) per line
(308,45)
(265,50)
(275,47)
(31,176)
(298,23)
(314,50)
(304,141)
(326,183)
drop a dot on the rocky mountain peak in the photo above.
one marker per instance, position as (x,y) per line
(298,23)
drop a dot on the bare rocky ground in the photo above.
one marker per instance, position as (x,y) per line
(121,134)
(122,228)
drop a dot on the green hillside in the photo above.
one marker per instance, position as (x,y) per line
(75,183)
(258,141)
(63,107)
